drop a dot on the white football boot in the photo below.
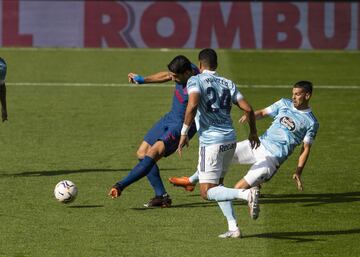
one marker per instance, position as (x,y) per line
(253,202)
(231,234)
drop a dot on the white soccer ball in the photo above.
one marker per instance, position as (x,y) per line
(65,191)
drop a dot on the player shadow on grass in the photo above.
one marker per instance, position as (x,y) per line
(204,204)
(298,237)
(184,205)
(308,200)
(65,172)
(311,199)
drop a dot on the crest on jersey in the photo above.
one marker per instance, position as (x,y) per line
(288,123)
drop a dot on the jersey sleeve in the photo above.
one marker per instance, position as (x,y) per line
(273,109)
(311,134)
(193,85)
(235,94)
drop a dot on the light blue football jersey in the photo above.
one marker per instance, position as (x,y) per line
(289,129)
(213,120)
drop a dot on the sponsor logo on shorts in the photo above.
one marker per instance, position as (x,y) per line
(288,123)
(227,147)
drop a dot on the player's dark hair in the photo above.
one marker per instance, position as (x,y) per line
(179,65)
(208,58)
(306,85)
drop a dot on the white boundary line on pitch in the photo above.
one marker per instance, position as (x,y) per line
(59,84)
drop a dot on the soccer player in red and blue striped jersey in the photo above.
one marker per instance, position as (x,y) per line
(163,138)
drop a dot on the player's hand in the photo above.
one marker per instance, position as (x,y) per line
(184,141)
(131,77)
(135,78)
(254,140)
(298,182)
(243,119)
(4,115)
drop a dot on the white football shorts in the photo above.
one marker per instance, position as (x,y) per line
(214,161)
(264,165)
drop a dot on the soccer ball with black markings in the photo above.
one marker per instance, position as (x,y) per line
(65,191)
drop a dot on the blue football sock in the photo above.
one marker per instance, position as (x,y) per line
(221,193)
(155,181)
(194,178)
(139,171)
(228,211)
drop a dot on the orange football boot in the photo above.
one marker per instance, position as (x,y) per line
(182,182)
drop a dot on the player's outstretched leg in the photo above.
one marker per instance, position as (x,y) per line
(139,171)
(221,193)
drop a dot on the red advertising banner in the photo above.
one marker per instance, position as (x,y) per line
(198,24)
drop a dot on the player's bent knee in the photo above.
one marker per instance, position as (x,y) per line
(205,187)
(157,151)
(257,176)
(140,154)
(142,150)
(204,195)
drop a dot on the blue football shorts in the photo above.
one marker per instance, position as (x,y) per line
(168,131)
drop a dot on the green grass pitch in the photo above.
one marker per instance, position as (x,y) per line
(89,134)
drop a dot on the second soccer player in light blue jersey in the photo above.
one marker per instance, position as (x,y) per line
(293,124)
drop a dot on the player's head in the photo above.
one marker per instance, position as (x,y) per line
(208,59)
(301,94)
(2,70)
(180,69)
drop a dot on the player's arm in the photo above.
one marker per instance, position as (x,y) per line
(304,155)
(160,77)
(259,114)
(190,113)
(250,116)
(3,101)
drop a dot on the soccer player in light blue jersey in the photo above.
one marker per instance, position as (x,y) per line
(3,68)
(293,124)
(210,99)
